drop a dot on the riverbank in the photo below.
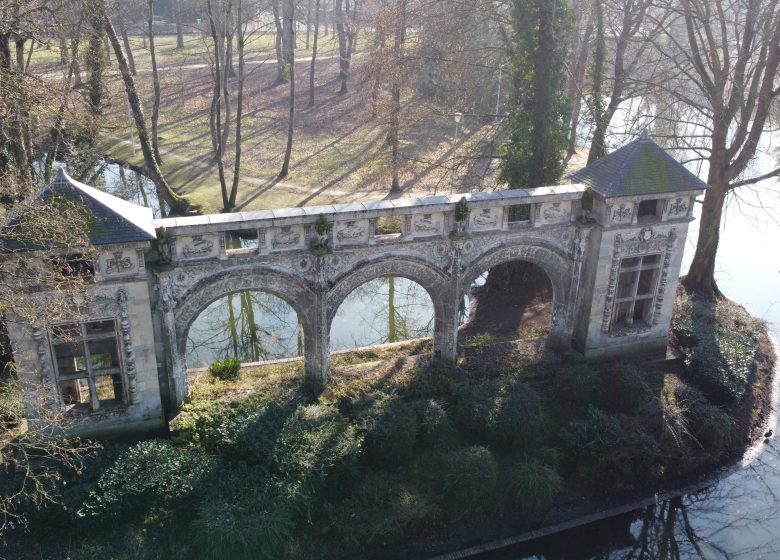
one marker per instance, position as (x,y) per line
(400,457)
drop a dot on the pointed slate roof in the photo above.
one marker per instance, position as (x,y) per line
(113,220)
(638,168)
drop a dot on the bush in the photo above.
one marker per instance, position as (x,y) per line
(390,425)
(316,443)
(383,510)
(226,369)
(625,390)
(436,430)
(469,474)
(533,484)
(245,514)
(503,410)
(149,474)
(602,454)
(250,435)
(709,425)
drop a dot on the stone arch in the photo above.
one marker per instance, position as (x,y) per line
(433,280)
(199,296)
(557,267)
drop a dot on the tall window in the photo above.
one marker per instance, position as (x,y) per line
(86,356)
(636,291)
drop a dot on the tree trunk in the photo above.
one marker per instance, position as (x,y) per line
(164,192)
(342,36)
(701,275)
(227,53)
(240,39)
(314,51)
(74,50)
(579,51)
(598,147)
(63,50)
(289,6)
(126,43)
(156,82)
(179,27)
(308,23)
(392,331)
(395,115)
(279,45)
(216,107)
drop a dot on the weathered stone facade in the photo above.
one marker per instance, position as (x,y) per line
(613,267)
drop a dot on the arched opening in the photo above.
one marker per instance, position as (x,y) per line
(511,300)
(250,325)
(385,309)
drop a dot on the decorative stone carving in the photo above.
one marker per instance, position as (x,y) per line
(199,246)
(677,207)
(127,344)
(118,264)
(554,212)
(461,215)
(352,232)
(42,351)
(434,281)
(485,219)
(646,242)
(427,224)
(201,294)
(621,214)
(288,237)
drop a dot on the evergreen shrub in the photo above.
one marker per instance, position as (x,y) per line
(226,369)
(533,484)
(502,410)
(315,444)
(469,474)
(152,473)
(390,426)
(244,515)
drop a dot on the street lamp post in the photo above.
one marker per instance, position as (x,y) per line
(457,116)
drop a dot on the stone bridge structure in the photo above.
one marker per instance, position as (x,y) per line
(611,245)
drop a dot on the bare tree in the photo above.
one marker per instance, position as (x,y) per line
(165,193)
(724,71)
(314,51)
(631,26)
(156,83)
(289,36)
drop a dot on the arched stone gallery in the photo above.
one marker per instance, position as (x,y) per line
(611,245)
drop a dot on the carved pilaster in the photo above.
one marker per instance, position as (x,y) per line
(127,343)
(664,280)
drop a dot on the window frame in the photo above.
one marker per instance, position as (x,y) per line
(82,340)
(627,320)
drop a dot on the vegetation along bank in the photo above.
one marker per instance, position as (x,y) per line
(400,457)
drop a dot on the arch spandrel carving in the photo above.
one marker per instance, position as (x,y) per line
(557,266)
(210,288)
(436,282)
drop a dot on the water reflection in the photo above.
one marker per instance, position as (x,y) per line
(250,326)
(384,310)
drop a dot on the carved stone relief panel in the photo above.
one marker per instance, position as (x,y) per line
(620,213)
(288,237)
(351,232)
(483,219)
(554,212)
(676,207)
(203,246)
(121,262)
(424,225)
